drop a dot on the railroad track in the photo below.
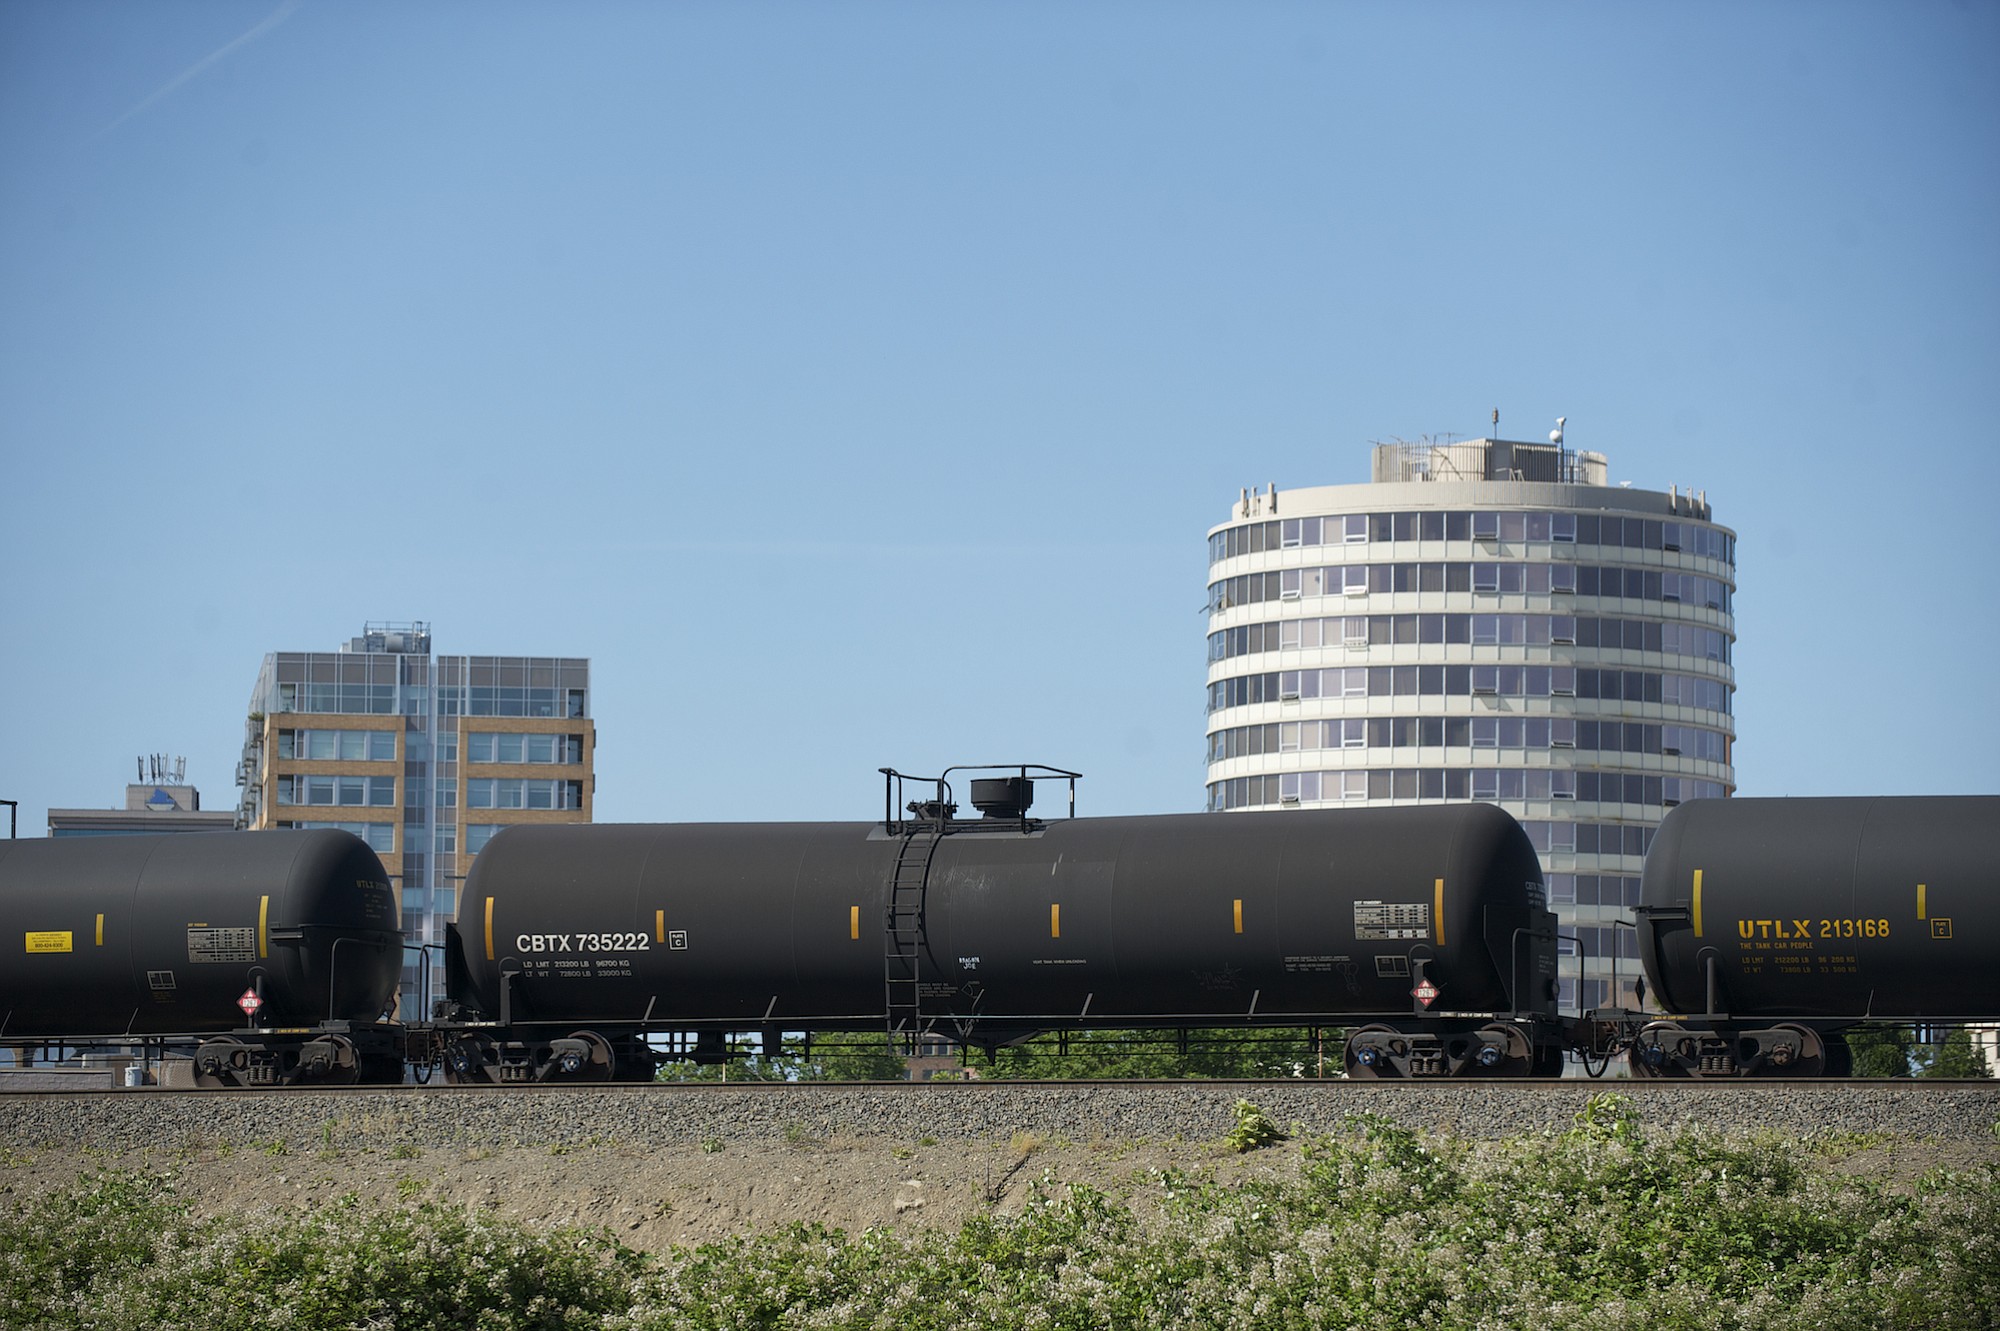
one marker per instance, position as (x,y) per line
(1243,1087)
(562,1119)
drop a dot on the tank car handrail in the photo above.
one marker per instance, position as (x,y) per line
(1514,965)
(424,963)
(946,806)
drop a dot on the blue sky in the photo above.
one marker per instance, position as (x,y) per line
(855,384)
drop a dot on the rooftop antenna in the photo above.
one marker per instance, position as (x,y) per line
(1496,422)
(1556,435)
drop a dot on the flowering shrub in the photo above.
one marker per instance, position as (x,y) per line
(1596,1227)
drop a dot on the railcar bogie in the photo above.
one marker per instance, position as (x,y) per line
(513,1057)
(252,1060)
(1384,1051)
(1675,1049)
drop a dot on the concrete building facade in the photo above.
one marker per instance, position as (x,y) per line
(424,757)
(161,800)
(1484,620)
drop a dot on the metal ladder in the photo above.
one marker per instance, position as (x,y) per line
(903,937)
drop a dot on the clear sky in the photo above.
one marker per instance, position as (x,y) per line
(855,384)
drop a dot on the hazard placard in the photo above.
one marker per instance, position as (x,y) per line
(250,1002)
(1425,992)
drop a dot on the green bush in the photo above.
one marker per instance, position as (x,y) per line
(1600,1226)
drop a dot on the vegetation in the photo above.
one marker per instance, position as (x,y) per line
(1223,1055)
(1898,1051)
(864,1058)
(1107,1055)
(1600,1226)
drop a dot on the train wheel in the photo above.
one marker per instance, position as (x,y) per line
(1806,1059)
(221,1062)
(470,1060)
(1503,1052)
(330,1060)
(1663,1049)
(584,1056)
(1368,1055)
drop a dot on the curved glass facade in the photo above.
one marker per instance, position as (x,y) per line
(1555,645)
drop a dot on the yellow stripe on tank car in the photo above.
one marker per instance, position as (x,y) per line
(489,928)
(1239,915)
(1694,904)
(100,930)
(1055,919)
(1922,914)
(263,927)
(854,921)
(1437,912)
(659,926)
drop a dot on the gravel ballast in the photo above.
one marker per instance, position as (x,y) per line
(429,1118)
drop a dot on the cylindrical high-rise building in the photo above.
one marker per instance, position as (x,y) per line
(1484,621)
